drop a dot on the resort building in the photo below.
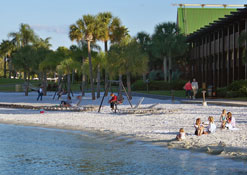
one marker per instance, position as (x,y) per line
(216,55)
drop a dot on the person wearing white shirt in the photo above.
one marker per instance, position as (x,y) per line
(194,87)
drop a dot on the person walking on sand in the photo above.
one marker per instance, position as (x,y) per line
(188,88)
(40,94)
(194,87)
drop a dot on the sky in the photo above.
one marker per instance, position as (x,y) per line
(52,18)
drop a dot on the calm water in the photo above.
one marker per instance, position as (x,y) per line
(39,151)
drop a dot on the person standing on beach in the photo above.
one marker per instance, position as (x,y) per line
(194,87)
(40,94)
(188,88)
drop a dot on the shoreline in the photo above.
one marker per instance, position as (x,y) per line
(213,149)
(159,129)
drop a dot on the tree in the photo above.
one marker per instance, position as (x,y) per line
(24,37)
(66,67)
(6,49)
(126,58)
(145,42)
(109,29)
(85,29)
(23,61)
(168,43)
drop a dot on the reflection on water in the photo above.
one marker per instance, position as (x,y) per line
(30,150)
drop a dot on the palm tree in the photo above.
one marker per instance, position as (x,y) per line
(85,29)
(6,49)
(109,29)
(23,61)
(127,58)
(145,42)
(167,42)
(66,67)
(24,37)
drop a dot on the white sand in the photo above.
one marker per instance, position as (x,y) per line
(159,128)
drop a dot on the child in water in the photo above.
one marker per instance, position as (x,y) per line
(181,135)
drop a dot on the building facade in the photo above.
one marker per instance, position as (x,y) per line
(216,55)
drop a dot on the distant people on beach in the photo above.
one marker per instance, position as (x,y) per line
(40,93)
(199,128)
(113,100)
(188,88)
(181,135)
(194,85)
(62,92)
(223,119)
(231,122)
(66,103)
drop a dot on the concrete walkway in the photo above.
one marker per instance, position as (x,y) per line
(224,102)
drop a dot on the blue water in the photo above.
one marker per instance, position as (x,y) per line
(41,151)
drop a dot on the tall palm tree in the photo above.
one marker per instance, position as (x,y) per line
(85,29)
(167,42)
(25,35)
(145,42)
(109,29)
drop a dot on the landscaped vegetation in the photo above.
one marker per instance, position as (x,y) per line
(155,63)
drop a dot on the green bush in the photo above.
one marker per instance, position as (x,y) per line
(221,92)
(139,85)
(178,84)
(233,94)
(158,85)
(237,85)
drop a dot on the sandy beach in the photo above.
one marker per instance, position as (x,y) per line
(160,128)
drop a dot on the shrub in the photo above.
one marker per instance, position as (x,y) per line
(221,92)
(139,85)
(237,85)
(233,94)
(159,85)
(178,84)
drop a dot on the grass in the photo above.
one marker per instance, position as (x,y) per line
(177,93)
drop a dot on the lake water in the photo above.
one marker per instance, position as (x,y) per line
(41,151)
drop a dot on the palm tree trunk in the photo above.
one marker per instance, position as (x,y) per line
(27,84)
(170,69)
(98,81)
(106,73)
(59,83)
(68,85)
(144,77)
(90,70)
(83,79)
(129,85)
(10,68)
(120,87)
(5,67)
(165,69)
(73,77)
(45,83)
(25,76)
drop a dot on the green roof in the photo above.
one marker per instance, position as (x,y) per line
(191,19)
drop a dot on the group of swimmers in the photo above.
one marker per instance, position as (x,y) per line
(227,122)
